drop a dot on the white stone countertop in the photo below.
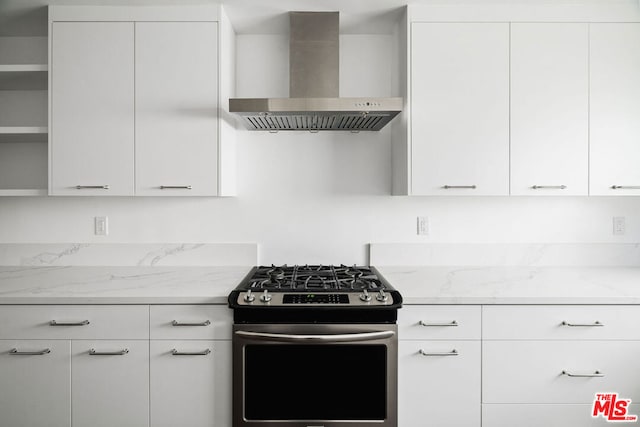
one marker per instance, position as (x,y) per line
(118,285)
(515,285)
(418,285)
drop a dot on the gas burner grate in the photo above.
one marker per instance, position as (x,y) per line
(314,278)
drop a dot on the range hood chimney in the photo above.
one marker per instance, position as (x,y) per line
(314,102)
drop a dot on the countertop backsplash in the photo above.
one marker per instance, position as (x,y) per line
(126,254)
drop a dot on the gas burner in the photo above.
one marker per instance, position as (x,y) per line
(275,274)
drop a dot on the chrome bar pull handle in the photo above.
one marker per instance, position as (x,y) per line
(122,352)
(453,352)
(625,187)
(596,374)
(205,352)
(175,187)
(92,187)
(597,323)
(205,323)
(452,323)
(80,323)
(549,187)
(16,352)
(267,336)
(468,187)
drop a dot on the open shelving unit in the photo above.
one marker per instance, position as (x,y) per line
(23,116)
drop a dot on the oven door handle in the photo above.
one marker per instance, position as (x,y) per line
(329,338)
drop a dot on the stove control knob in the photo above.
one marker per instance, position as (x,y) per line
(265,296)
(364,296)
(382,297)
(249,297)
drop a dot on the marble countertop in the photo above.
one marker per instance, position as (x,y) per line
(515,285)
(418,285)
(118,285)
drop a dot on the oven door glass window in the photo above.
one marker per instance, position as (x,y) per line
(315,382)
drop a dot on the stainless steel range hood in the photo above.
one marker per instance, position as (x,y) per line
(314,88)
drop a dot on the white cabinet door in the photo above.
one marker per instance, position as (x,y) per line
(615,109)
(459,108)
(92,120)
(110,389)
(192,388)
(176,108)
(437,387)
(549,109)
(35,389)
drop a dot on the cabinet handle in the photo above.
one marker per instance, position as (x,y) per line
(92,187)
(581,325)
(205,323)
(448,187)
(175,187)
(81,323)
(596,374)
(625,187)
(175,352)
(452,323)
(122,352)
(16,352)
(549,187)
(453,352)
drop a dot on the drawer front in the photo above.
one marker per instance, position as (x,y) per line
(74,322)
(181,322)
(438,385)
(561,322)
(545,415)
(532,371)
(439,322)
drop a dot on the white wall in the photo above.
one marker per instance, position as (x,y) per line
(308,198)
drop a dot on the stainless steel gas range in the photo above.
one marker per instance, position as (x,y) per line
(315,346)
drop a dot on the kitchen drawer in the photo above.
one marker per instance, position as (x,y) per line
(531,371)
(439,322)
(553,322)
(90,321)
(437,386)
(205,322)
(544,415)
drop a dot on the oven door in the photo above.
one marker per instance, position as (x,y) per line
(315,375)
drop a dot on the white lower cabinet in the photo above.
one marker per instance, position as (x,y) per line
(544,365)
(190,383)
(100,365)
(110,383)
(439,366)
(35,383)
(439,383)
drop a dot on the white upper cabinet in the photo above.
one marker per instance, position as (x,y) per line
(136,101)
(615,109)
(549,108)
(92,108)
(176,108)
(459,109)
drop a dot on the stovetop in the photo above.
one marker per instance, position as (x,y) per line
(317,278)
(314,293)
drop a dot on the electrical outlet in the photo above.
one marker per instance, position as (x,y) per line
(423,225)
(619,225)
(101,225)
